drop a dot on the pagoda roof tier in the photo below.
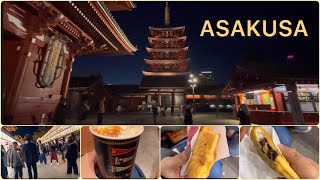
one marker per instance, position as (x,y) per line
(174,81)
(166,49)
(150,39)
(168,65)
(94,19)
(167,28)
(166,61)
(160,32)
(147,73)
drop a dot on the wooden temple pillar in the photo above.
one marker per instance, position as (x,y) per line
(11,96)
(173,102)
(297,115)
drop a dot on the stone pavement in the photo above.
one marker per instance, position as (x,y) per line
(147,157)
(307,143)
(47,171)
(230,167)
(145,118)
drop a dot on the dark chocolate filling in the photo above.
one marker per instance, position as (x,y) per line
(271,154)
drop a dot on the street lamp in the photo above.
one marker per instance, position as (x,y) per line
(193,83)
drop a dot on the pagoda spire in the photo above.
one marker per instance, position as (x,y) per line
(167,15)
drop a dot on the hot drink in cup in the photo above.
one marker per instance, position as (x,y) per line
(116,148)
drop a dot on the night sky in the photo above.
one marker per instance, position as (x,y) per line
(210,53)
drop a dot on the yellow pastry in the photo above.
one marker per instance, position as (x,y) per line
(268,151)
(204,154)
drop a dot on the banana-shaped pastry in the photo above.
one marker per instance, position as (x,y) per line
(204,154)
(270,153)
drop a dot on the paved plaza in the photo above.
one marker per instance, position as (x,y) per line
(145,118)
(47,171)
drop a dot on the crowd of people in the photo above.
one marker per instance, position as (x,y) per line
(187,111)
(28,154)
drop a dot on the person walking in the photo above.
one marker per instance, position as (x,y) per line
(154,113)
(72,156)
(162,114)
(53,153)
(244,115)
(15,156)
(101,111)
(31,156)
(119,108)
(86,110)
(42,153)
(172,110)
(4,163)
(61,149)
(187,112)
(61,112)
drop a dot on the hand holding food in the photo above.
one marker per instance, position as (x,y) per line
(204,154)
(305,167)
(270,154)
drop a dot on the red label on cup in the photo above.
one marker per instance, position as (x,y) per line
(117,152)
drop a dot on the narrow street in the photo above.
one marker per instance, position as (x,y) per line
(47,171)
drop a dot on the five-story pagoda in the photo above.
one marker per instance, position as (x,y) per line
(167,78)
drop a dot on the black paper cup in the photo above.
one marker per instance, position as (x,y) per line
(115,156)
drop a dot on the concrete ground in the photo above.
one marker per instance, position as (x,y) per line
(148,151)
(230,167)
(47,171)
(145,118)
(307,143)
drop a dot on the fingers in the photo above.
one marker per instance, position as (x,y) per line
(87,165)
(290,154)
(181,158)
(243,131)
(305,167)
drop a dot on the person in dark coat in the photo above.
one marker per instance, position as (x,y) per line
(61,112)
(31,156)
(4,156)
(244,114)
(187,112)
(72,156)
(154,113)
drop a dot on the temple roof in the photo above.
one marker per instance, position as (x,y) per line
(166,39)
(84,81)
(120,5)
(120,89)
(263,74)
(166,49)
(179,81)
(95,19)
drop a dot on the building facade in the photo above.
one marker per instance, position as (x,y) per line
(40,43)
(276,94)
